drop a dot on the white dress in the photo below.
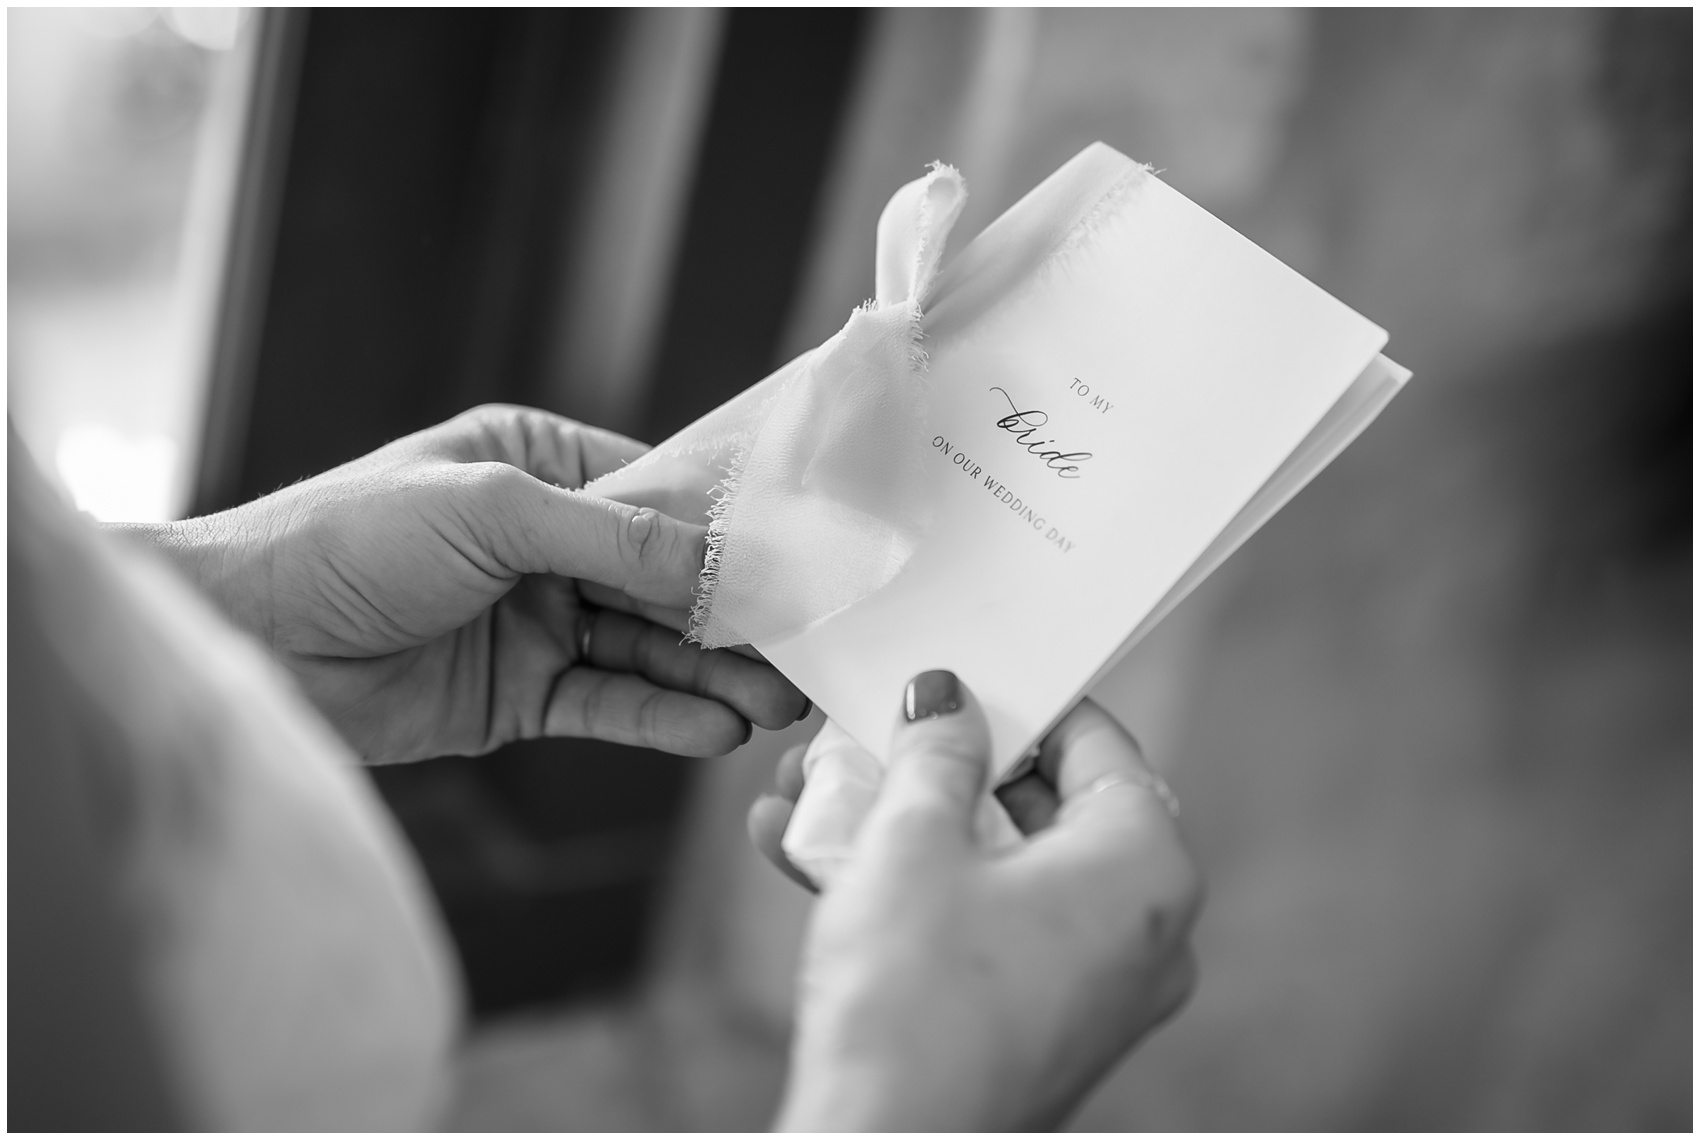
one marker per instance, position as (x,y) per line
(293,965)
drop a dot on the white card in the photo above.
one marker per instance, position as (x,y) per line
(1100,441)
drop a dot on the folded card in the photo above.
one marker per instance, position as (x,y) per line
(1014,466)
(1120,390)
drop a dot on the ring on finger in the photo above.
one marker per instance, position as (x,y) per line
(1143,778)
(586,624)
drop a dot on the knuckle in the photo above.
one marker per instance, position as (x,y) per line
(587,708)
(481,420)
(1176,986)
(949,748)
(650,718)
(1186,888)
(642,542)
(499,481)
(706,669)
(940,745)
(486,495)
(950,764)
(480,413)
(1173,891)
(911,822)
(645,649)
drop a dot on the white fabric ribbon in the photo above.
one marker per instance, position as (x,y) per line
(814,470)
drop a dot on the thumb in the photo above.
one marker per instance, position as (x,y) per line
(937,768)
(535,528)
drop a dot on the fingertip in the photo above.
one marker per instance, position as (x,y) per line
(768,816)
(788,776)
(771,700)
(766,822)
(703,727)
(940,751)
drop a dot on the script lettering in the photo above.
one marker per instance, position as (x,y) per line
(1024,426)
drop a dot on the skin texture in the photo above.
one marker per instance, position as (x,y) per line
(945,988)
(433,597)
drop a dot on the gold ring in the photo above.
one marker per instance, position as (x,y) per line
(1146,779)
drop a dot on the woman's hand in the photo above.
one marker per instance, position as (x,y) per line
(428,597)
(945,988)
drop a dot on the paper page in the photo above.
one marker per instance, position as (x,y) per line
(1353,412)
(1364,400)
(1091,437)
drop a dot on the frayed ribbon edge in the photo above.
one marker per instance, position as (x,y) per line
(726,491)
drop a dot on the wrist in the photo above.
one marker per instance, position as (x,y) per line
(874,1086)
(182,544)
(209,554)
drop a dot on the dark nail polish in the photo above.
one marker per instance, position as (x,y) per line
(808,707)
(934,693)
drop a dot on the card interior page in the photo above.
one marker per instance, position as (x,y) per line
(1351,413)
(1090,436)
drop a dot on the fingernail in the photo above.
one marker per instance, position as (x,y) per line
(934,693)
(808,707)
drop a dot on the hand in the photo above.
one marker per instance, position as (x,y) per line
(944,988)
(428,597)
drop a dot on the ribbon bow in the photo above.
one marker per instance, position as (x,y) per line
(817,502)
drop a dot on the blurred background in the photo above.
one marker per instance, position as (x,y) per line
(1432,726)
